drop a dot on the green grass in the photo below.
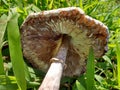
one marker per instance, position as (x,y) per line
(90,70)
(118,58)
(102,73)
(15,49)
(3,24)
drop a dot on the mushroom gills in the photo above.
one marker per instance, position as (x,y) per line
(42,34)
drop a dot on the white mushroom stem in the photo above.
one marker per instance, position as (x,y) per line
(53,76)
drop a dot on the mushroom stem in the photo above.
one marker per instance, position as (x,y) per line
(54,74)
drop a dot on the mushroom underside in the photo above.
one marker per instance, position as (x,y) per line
(41,39)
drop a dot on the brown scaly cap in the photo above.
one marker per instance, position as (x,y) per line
(41,37)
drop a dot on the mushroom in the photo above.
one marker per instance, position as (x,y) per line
(60,40)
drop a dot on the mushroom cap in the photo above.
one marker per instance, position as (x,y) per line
(41,33)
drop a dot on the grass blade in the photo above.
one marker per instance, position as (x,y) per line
(118,62)
(15,50)
(1,65)
(8,83)
(79,85)
(3,24)
(50,5)
(90,70)
(81,4)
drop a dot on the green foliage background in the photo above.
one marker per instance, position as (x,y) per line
(16,75)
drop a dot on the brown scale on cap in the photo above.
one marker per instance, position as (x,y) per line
(41,35)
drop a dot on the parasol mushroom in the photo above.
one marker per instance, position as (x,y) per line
(61,37)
